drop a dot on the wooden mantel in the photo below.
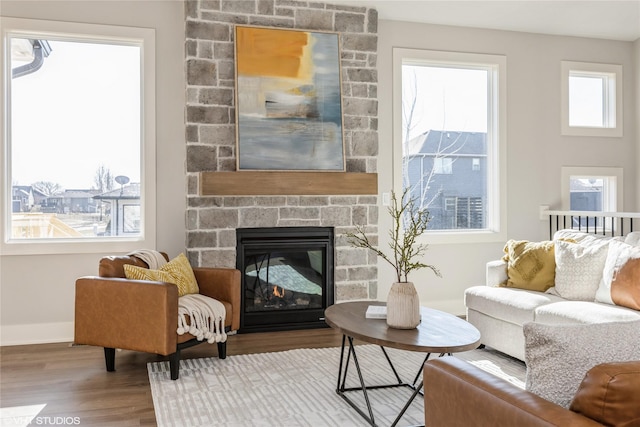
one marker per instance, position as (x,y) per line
(271,183)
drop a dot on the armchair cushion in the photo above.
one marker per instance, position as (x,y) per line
(178,271)
(604,394)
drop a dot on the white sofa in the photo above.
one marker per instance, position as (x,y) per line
(586,266)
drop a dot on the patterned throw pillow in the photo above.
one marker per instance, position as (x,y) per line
(579,269)
(177,271)
(530,265)
(620,284)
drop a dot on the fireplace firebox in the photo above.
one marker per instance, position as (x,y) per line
(287,277)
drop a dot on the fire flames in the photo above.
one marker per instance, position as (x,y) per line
(277,292)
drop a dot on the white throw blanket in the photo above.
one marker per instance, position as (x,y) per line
(206,318)
(153,258)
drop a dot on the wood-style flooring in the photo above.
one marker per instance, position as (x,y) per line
(72,382)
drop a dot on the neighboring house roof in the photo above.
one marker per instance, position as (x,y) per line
(78,194)
(583,185)
(131,191)
(27,189)
(448,142)
(21,190)
(37,192)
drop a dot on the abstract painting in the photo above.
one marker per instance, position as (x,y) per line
(288,100)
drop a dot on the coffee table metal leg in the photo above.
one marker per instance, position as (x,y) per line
(342,377)
(406,406)
(417,377)
(391,365)
(344,337)
(416,390)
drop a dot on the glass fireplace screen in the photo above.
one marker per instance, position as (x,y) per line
(284,278)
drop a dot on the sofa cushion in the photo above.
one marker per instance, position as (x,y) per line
(511,305)
(559,356)
(579,268)
(633,238)
(177,271)
(530,265)
(577,236)
(571,312)
(620,281)
(608,394)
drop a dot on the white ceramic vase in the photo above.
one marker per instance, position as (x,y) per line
(403,306)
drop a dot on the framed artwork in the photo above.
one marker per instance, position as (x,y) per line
(288,100)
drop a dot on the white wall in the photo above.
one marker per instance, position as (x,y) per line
(37,292)
(535,149)
(636,74)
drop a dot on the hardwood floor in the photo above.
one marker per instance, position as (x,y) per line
(74,386)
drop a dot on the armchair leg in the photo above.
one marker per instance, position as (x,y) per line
(174,364)
(222,350)
(110,358)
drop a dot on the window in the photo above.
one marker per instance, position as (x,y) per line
(78,143)
(463,212)
(591,189)
(443,165)
(450,126)
(591,99)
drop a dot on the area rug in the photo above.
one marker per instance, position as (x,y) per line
(296,388)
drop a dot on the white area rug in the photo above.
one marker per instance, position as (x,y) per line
(296,388)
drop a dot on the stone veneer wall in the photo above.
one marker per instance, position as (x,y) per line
(210,115)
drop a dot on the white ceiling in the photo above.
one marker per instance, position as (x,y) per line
(606,19)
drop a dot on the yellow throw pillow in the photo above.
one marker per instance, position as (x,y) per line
(177,271)
(530,265)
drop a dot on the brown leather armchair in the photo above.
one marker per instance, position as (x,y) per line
(459,394)
(114,312)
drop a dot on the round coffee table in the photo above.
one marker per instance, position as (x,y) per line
(439,332)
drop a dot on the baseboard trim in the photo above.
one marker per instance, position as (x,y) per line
(37,333)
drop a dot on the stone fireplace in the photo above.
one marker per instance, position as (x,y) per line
(212,220)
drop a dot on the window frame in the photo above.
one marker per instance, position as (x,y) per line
(143,37)
(496,225)
(612,176)
(612,98)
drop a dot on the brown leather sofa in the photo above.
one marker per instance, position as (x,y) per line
(458,394)
(114,312)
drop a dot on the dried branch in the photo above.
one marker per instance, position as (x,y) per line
(403,243)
